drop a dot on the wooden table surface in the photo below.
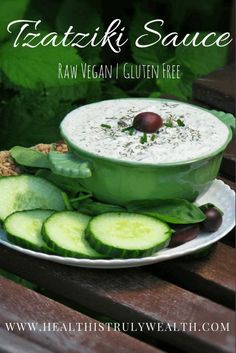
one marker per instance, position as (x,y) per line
(192,291)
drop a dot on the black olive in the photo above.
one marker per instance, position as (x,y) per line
(213,219)
(147,122)
(183,233)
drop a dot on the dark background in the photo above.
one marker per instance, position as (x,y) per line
(33,101)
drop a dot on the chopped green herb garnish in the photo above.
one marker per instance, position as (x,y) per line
(127,128)
(153,137)
(143,138)
(169,124)
(106,126)
(131,131)
(180,122)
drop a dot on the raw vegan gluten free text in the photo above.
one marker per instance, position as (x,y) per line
(126,71)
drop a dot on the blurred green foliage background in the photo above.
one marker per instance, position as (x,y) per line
(33,101)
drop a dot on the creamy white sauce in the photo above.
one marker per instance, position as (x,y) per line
(201,134)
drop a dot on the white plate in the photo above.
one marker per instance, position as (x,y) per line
(218,193)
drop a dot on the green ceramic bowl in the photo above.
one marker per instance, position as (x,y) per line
(114,181)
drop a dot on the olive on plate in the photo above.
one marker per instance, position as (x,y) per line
(183,233)
(213,219)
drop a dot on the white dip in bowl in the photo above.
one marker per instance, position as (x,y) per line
(99,128)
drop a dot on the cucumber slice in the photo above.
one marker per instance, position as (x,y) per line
(127,235)
(24,229)
(64,232)
(26,192)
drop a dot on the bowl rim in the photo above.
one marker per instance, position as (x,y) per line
(92,155)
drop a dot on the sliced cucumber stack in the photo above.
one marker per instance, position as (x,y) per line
(26,192)
(64,232)
(125,235)
(24,229)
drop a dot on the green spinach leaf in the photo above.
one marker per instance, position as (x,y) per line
(93,208)
(176,211)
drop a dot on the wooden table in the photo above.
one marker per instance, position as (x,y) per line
(172,293)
